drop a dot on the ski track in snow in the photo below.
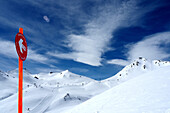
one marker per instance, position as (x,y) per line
(43,105)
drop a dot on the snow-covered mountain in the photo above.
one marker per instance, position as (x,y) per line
(68,92)
(45,92)
(146,93)
(136,68)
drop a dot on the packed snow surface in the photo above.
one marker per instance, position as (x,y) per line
(141,87)
(147,93)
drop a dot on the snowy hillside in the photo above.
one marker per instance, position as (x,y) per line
(46,92)
(147,93)
(136,68)
(8,82)
(68,92)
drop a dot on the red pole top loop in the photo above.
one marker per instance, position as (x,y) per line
(21,30)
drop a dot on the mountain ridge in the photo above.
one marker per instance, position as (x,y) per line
(60,92)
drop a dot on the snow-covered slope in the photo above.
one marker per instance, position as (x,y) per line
(146,93)
(136,68)
(45,92)
(60,92)
(13,75)
(64,78)
(9,80)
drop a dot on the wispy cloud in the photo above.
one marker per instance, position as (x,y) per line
(89,47)
(118,62)
(62,55)
(151,47)
(33,55)
(7,48)
(47,70)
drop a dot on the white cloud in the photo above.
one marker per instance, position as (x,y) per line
(46,18)
(150,47)
(7,48)
(118,62)
(47,70)
(32,55)
(89,47)
(62,55)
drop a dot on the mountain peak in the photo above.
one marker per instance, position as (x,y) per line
(137,67)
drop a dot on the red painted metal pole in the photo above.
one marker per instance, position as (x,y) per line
(20,85)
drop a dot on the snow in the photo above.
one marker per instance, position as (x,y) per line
(46,93)
(141,87)
(147,93)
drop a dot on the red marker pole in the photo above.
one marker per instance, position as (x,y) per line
(21,48)
(20,85)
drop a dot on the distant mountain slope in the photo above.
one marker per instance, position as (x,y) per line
(2,76)
(13,75)
(138,67)
(59,92)
(45,92)
(64,78)
(146,93)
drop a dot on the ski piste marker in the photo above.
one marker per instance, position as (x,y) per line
(21,48)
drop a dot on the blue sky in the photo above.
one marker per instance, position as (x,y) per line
(95,38)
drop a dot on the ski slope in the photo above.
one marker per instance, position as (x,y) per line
(141,86)
(45,92)
(147,93)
